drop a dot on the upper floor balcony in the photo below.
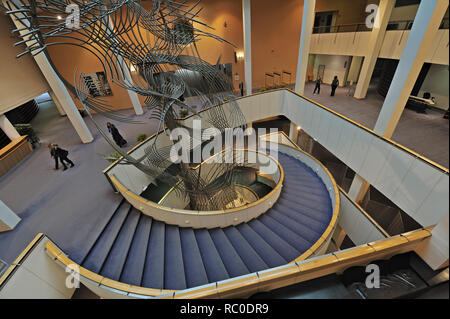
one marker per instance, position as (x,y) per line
(353,39)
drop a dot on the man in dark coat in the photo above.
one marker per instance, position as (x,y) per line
(317,88)
(120,141)
(334,85)
(58,153)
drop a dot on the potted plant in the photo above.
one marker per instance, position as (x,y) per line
(141,137)
(112,157)
(27,129)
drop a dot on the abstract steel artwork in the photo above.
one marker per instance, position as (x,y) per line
(159,43)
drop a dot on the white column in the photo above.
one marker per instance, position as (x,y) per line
(8,219)
(417,47)
(358,189)
(426,24)
(376,41)
(8,128)
(57,103)
(127,78)
(56,85)
(305,39)
(293,132)
(129,81)
(247,25)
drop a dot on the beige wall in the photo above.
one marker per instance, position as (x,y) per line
(226,19)
(437,83)
(276,29)
(334,65)
(349,11)
(69,58)
(404,13)
(20,79)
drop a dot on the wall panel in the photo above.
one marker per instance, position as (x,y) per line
(356,44)
(356,224)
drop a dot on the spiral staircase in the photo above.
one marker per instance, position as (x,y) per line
(136,249)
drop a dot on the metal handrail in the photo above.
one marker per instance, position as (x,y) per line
(355,27)
(401,25)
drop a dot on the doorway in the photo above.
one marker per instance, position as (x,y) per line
(323,21)
(320,71)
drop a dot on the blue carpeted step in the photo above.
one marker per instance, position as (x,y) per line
(301,218)
(97,256)
(313,188)
(134,266)
(321,199)
(299,167)
(270,256)
(215,269)
(310,204)
(192,259)
(300,172)
(248,255)
(174,277)
(112,268)
(313,185)
(293,174)
(291,237)
(320,213)
(154,265)
(231,259)
(297,227)
(305,190)
(288,252)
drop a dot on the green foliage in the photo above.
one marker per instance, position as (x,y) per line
(183,113)
(27,129)
(263,90)
(141,137)
(112,157)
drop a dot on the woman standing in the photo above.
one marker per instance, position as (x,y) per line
(120,141)
(317,88)
(334,85)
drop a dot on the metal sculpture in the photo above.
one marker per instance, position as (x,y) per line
(123,35)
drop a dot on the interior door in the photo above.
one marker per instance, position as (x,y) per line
(320,71)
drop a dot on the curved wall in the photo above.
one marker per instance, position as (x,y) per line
(196,219)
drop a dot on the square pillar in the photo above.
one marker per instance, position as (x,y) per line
(305,40)
(247,25)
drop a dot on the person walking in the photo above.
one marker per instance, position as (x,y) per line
(317,88)
(334,85)
(241,87)
(60,154)
(120,141)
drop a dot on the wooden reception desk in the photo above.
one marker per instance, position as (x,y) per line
(13,153)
